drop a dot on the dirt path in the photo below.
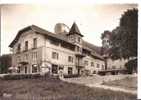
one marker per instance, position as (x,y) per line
(113,88)
(96,81)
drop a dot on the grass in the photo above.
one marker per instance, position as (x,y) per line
(54,89)
(129,83)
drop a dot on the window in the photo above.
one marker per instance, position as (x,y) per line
(70,59)
(70,70)
(34,68)
(92,63)
(54,69)
(34,55)
(104,41)
(18,58)
(19,48)
(97,65)
(35,43)
(55,55)
(94,72)
(78,49)
(113,67)
(86,63)
(79,39)
(72,38)
(54,42)
(103,67)
(19,69)
(26,57)
(25,69)
(26,45)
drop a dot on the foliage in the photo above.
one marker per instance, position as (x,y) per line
(131,66)
(71,76)
(5,63)
(124,38)
(20,76)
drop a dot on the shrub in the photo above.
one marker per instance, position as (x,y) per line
(20,76)
(71,76)
(131,66)
(101,73)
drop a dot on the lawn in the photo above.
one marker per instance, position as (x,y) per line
(54,89)
(129,83)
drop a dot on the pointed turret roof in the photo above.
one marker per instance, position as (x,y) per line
(74,30)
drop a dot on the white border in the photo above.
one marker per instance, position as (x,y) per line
(83,2)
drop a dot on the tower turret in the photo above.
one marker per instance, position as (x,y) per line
(75,37)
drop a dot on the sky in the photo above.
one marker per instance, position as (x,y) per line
(92,19)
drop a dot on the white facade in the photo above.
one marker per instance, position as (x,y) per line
(116,64)
(93,65)
(51,54)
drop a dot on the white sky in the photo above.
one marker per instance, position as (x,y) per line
(91,19)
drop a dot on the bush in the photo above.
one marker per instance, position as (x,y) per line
(101,73)
(71,76)
(20,76)
(131,66)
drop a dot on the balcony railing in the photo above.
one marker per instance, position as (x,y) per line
(79,54)
(80,63)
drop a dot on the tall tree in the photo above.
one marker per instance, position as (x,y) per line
(5,63)
(124,37)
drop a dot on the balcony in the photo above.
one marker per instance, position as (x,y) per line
(80,64)
(79,54)
(28,55)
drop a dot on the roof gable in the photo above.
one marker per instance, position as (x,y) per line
(39,30)
(18,35)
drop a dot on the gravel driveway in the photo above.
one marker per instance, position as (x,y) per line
(96,81)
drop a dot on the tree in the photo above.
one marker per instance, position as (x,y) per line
(5,63)
(129,65)
(124,38)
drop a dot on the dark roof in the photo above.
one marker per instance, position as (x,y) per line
(95,50)
(74,30)
(39,30)
(93,47)
(105,51)
(62,36)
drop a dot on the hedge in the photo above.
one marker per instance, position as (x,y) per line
(71,76)
(20,76)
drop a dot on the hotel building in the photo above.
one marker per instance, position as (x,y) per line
(37,50)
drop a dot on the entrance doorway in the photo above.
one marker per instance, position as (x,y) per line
(54,69)
(25,69)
